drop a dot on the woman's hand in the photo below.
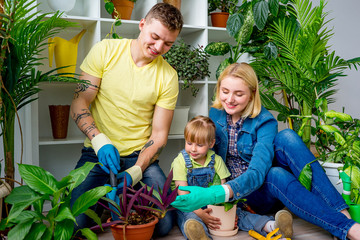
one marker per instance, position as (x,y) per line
(210,221)
(199,197)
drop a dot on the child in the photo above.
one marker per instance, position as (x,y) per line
(198,165)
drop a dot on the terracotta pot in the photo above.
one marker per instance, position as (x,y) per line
(227,227)
(59,115)
(124,8)
(219,19)
(175,3)
(134,232)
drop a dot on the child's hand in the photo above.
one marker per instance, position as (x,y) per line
(210,221)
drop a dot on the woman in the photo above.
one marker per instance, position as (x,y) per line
(264,164)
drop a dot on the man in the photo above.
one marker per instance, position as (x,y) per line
(133,93)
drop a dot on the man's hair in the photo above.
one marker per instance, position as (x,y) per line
(200,130)
(167,14)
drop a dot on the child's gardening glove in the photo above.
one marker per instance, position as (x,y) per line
(199,197)
(258,236)
(107,154)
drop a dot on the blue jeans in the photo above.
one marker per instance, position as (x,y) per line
(153,175)
(320,206)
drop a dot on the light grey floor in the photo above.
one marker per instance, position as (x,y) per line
(302,231)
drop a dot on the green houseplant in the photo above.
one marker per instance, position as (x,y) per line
(24,34)
(248,26)
(226,7)
(193,67)
(304,68)
(120,8)
(142,208)
(42,187)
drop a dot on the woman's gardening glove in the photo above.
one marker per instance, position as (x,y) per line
(106,152)
(133,175)
(199,197)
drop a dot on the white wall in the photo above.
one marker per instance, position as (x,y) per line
(345,42)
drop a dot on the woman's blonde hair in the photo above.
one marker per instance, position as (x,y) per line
(200,130)
(244,72)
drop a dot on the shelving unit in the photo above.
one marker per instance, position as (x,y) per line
(60,156)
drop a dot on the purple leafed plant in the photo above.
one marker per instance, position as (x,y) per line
(137,207)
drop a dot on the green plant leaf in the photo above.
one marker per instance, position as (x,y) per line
(88,234)
(270,51)
(20,231)
(78,175)
(64,230)
(109,7)
(274,7)
(88,199)
(94,216)
(37,231)
(328,128)
(340,116)
(261,12)
(64,213)
(218,48)
(305,176)
(339,139)
(38,179)
(234,24)
(21,194)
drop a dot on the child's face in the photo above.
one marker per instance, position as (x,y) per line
(198,151)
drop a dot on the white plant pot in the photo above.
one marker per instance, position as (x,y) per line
(61,5)
(181,117)
(332,172)
(227,227)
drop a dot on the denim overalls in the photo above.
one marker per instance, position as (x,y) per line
(196,177)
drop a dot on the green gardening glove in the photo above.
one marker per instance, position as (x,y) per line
(199,197)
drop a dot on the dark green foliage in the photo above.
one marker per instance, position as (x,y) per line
(190,63)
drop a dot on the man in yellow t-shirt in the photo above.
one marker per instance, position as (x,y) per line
(132,95)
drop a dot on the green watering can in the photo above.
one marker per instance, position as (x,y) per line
(354,209)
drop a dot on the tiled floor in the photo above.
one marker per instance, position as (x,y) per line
(302,231)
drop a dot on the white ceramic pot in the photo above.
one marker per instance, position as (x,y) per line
(332,172)
(227,227)
(181,115)
(61,5)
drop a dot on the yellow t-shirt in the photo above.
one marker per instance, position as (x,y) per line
(180,170)
(124,106)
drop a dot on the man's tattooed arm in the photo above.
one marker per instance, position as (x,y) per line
(82,87)
(82,122)
(156,155)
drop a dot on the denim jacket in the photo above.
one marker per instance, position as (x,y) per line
(254,145)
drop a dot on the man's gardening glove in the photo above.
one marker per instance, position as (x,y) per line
(115,197)
(106,152)
(199,197)
(133,175)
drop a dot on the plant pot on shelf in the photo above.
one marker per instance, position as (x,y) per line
(62,6)
(219,19)
(134,232)
(124,8)
(227,218)
(175,3)
(59,116)
(180,118)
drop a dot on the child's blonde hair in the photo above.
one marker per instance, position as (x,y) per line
(200,130)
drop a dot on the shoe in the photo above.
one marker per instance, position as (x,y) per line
(194,230)
(284,221)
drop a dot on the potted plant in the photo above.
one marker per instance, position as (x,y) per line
(120,8)
(194,66)
(226,7)
(303,69)
(23,36)
(137,211)
(27,218)
(337,140)
(248,27)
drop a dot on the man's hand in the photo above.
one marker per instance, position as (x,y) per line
(133,175)
(107,154)
(199,197)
